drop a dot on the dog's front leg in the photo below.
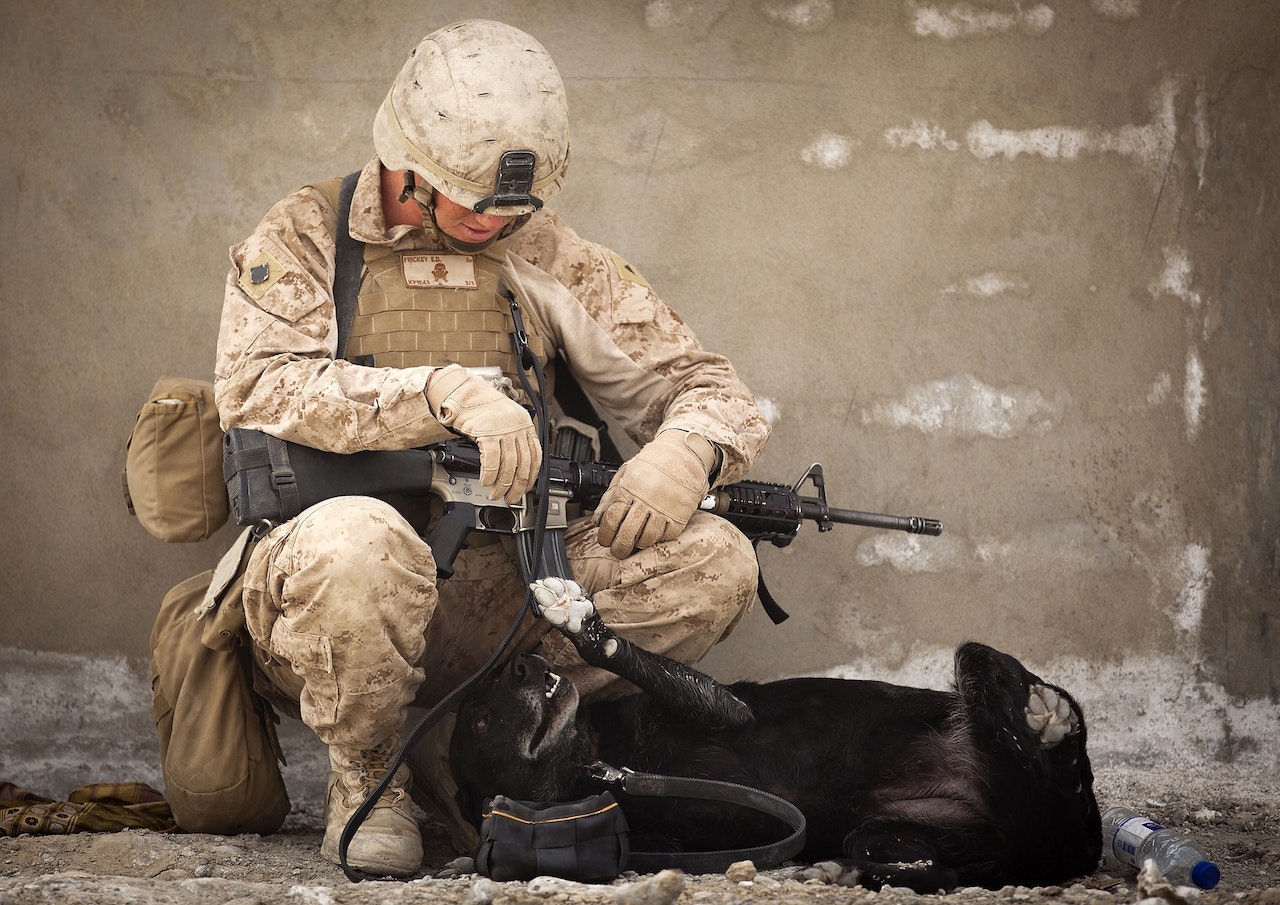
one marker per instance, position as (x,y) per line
(680,688)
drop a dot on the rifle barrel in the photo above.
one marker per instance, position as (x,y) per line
(912,524)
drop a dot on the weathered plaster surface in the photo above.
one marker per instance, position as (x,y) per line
(1009,265)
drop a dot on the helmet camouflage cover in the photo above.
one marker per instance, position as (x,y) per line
(473,96)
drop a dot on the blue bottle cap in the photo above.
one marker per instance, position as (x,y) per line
(1205,874)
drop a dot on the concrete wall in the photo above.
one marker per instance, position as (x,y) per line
(1007,265)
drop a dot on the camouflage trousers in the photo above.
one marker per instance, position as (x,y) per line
(349,621)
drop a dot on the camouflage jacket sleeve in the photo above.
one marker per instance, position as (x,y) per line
(633,355)
(275,368)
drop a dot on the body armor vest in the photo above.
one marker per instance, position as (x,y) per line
(402,325)
(425,308)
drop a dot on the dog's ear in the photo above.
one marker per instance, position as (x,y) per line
(468,798)
(470,805)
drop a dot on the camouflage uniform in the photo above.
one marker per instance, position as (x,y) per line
(342,602)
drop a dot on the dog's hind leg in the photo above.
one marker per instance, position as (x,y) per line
(1029,720)
(680,688)
(1040,777)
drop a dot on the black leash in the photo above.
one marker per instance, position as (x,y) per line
(451,700)
(534,560)
(716,861)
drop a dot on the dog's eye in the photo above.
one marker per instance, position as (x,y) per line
(480,724)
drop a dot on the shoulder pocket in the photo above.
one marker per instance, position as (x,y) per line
(633,301)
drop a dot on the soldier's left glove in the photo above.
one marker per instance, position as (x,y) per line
(653,495)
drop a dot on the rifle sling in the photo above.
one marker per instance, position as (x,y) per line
(767,603)
(348,266)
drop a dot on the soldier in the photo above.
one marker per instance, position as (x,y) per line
(349,626)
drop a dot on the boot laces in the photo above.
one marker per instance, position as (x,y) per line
(363,770)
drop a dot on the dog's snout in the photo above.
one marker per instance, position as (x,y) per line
(527,667)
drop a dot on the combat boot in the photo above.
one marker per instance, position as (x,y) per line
(388,841)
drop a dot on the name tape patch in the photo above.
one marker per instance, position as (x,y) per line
(429,271)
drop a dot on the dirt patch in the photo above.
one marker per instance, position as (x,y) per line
(1235,814)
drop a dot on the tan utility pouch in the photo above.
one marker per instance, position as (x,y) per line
(218,744)
(173,462)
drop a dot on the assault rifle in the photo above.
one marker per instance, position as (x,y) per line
(271,480)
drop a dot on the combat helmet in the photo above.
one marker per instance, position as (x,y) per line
(479,113)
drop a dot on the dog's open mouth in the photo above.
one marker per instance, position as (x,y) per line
(559,704)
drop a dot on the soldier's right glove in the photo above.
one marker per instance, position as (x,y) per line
(510,454)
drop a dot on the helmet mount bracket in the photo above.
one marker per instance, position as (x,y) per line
(514,184)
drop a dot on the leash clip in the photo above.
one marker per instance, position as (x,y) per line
(605,773)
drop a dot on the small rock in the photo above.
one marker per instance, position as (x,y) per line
(483,891)
(741,872)
(850,879)
(203,870)
(663,888)
(831,870)
(463,865)
(551,886)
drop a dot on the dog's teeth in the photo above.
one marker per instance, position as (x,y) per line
(553,682)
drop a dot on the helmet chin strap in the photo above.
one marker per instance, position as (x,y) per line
(466,248)
(426,202)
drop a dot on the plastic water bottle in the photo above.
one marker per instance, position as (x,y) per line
(1129,838)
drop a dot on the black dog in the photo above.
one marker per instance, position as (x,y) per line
(986,785)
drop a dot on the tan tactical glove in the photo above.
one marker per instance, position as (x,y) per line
(509,451)
(654,494)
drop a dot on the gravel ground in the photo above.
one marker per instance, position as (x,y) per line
(1235,814)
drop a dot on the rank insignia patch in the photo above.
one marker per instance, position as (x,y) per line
(258,275)
(628,272)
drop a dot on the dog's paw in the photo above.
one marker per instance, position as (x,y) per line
(562,602)
(1050,714)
